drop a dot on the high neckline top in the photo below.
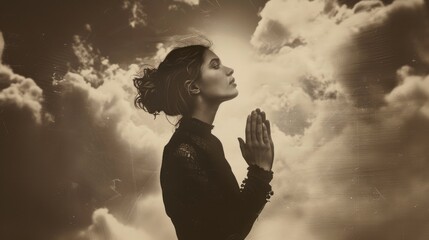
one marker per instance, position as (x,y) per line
(195,125)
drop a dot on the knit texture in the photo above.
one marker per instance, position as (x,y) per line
(200,192)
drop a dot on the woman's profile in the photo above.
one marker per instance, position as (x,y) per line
(200,192)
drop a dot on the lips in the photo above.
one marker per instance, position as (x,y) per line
(232,81)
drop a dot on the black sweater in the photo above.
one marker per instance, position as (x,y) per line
(201,194)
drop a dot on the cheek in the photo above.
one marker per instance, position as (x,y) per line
(213,83)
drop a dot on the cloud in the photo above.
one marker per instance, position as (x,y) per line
(161,52)
(163,48)
(106,227)
(410,97)
(376,165)
(367,6)
(138,16)
(385,40)
(20,91)
(306,23)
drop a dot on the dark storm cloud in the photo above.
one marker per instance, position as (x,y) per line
(397,37)
(383,175)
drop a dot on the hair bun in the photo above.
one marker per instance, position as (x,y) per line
(148,97)
(164,89)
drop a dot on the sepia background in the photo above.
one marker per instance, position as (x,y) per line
(345,84)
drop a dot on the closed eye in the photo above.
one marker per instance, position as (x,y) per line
(215,63)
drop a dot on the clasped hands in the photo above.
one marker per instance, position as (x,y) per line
(258,148)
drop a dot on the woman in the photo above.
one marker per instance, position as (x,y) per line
(200,193)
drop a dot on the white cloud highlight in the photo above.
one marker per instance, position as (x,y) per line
(21,92)
(106,227)
(138,16)
(189,2)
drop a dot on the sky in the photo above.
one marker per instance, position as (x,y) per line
(345,85)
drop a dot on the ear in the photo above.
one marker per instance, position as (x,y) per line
(191,87)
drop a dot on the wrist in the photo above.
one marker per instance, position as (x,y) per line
(260,173)
(259,180)
(265,167)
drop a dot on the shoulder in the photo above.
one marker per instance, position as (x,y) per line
(180,150)
(180,144)
(184,161)
(184,150)
(203,143)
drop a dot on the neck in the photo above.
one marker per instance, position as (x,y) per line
(205,112)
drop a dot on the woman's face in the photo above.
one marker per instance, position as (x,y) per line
(216,83)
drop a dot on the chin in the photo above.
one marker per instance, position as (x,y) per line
(231,95)
(234,95)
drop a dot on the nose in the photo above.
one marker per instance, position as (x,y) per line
(230,71)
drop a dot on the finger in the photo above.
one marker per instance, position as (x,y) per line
(259,133)
(268,125)
(263,115)
(248,126)
(244,150)
(265,135)
(253,138)
(241,143)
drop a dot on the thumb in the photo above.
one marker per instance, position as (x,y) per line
(241,142)
(244,151)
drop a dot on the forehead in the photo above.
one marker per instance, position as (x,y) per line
(209,55)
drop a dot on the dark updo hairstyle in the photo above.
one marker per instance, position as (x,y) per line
(163,88)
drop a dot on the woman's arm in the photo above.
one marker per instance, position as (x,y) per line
(196,206)
(254,194)
(189,201)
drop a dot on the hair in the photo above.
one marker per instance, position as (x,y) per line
(163,88)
